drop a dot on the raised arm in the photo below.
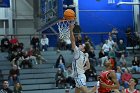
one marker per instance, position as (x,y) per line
(114,79)
(72,38)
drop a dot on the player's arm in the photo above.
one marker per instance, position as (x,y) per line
(87,65)
(72,38)
(93,90)
(113,77)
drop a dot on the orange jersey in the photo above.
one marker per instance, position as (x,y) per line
(105,79)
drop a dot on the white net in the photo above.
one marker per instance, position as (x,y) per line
(63,27)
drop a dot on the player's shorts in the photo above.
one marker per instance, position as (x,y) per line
(80,80)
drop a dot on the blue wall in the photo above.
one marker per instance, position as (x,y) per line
(99,16)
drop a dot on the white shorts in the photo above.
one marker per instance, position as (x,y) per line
(80,80)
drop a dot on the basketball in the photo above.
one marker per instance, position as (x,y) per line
(69,14)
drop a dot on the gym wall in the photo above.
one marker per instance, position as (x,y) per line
(99,16)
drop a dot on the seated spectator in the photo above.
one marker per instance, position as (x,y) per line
(17,88)
(68,44)
(69,77)
(126,76)
(13,75)
(78,40)
(14,40)
(91,74)
(121,49)
(61,44)
(112,59)
(122,62)
(31,56)
(60,79)
(105,48)
(5,87)
(102,57)
(1,75)
(44,42)
(60,63)
(39,57)
(119,74)
(92,58)
(5,44)
(135,64)
(25,61)
(132,85)
(110,42)
(35,42)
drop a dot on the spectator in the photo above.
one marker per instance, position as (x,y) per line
(68,44)
(91,74)
(39,57)
(60,79)
(5,44)
(129,37)
(137,39)
(44,42)
(5,87)
(76,29)
(14,40)
(114,34)
(60,63)
(86,39)
(92,58)
(35,42)
(78,40)
(119,74)
(25,60)
(132,84)
(106,48)
(135,64)
(112,59)
(17,88)
(121,48)
(110,42)
(126,76)
(13,75)
(69,77)
(61,44)
(122,62)
(102,57)
(31,56)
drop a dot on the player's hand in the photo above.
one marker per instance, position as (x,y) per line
(104,85)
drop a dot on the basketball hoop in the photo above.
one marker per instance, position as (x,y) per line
(63,27)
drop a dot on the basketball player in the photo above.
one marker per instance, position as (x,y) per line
(107,79)
(132,83)
(79,65)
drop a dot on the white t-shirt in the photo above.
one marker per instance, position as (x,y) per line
(44,41)
(79,62)
(106,48)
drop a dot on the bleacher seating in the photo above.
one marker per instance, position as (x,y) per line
(41,78)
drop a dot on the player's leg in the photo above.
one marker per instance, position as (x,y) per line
(84,89)
(77,90)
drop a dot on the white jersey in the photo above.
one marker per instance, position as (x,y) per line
(79,62)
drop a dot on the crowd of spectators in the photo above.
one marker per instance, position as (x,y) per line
(113,49)
(21,58)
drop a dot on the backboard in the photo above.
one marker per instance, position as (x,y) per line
(5,3)
(50,12)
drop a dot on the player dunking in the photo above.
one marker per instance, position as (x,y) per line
(79,65)
(107,79)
